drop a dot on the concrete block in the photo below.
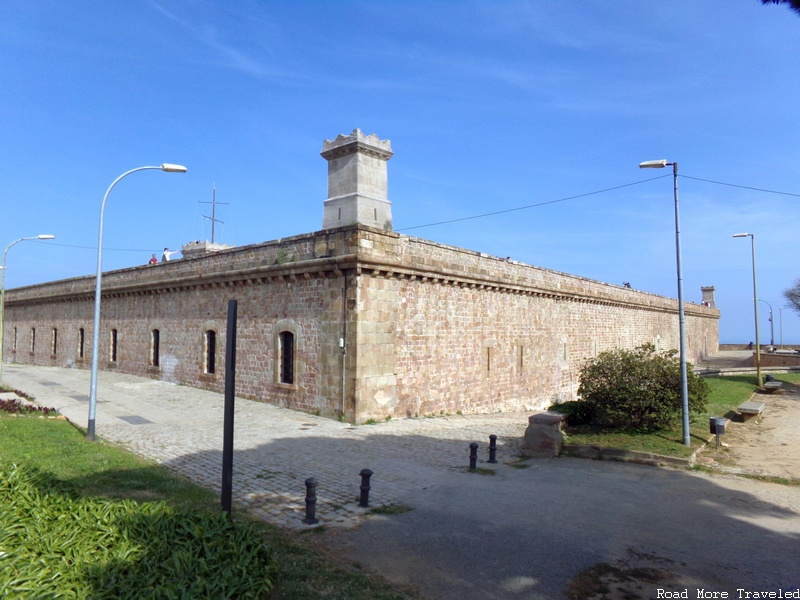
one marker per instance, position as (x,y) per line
(543,437)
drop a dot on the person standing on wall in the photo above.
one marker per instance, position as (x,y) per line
(153,260)
(167,254)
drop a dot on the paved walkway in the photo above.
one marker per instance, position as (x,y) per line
(520,534)
(275,450)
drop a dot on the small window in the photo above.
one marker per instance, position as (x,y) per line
(54,344)
(81,342)
(521,357)
(112,355)
(286,357)
(33,340)
(210,352)
(14,344)
(155,342)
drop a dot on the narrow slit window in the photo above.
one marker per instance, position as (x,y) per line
(33,340)
(81,342)
(112,350)
(14,346)
(211,352)
(155,343)
(287,357)
(54,345)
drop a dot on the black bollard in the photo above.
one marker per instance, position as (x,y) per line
(311,502)
(365,475)
(473,456)
(492,448)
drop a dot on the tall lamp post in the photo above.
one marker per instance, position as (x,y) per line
(752,237)
(3,289)
(169,168)
(771,323)
(660,164)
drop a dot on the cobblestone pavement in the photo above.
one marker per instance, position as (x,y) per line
(275,450)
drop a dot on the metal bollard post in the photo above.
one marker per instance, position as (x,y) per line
(492,449)
(311,502)
(473,456)
(365,475)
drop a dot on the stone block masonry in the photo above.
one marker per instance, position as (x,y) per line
(427,328)
(354,321)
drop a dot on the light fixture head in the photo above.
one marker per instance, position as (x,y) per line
(45,236)
(653,164)
(169,168)
(742,234)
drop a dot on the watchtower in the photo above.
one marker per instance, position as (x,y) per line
(357,181)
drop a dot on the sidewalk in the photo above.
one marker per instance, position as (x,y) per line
(521,533)
(275,450)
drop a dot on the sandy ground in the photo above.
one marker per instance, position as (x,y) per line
(768,445)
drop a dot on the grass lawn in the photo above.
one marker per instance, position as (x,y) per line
(100,469)
(726,394)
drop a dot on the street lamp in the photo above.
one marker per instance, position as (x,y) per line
(3,288)
(660,164)
(771,324)
(752,237)
(169,168)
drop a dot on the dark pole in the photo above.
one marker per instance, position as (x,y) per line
(230,391)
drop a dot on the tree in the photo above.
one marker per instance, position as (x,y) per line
(638,389)
(793,5)
(792,296)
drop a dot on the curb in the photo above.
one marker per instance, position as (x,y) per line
(632,456)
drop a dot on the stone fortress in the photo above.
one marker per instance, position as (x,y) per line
(354,321)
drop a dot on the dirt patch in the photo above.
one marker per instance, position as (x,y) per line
(764,446)
(636,577)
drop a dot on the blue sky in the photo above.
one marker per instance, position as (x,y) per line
(490,106)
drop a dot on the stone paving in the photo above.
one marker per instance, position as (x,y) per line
(275,450)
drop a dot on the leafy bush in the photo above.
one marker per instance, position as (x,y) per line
(639,389)
(16,406)
(577,412)
(55,543)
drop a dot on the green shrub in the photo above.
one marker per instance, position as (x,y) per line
(577,412)
(18,407)
(639,389)
(55,543)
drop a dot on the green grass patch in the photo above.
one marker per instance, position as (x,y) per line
(482,471)
(101,474)
(390,509)
(726,393)
(57,542)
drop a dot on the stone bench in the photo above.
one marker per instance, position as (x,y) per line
(771,387)
(543,437)
(751,408)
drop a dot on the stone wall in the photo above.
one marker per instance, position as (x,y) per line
(427,328)
(443,329)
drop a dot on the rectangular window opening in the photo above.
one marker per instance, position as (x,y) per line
(286,357)
(155,342)
(211,352)
(112,354)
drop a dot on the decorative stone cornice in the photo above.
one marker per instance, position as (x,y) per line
(344,145)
